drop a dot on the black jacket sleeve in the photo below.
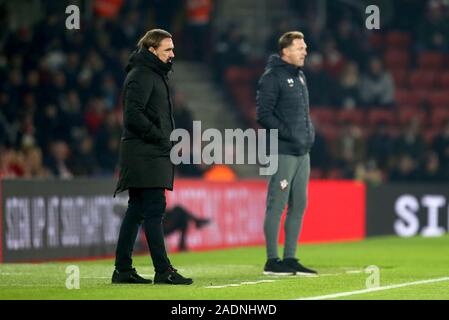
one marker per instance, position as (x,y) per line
(135,119)
(266,98)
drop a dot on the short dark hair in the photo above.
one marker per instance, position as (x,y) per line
(287,38)
(153,38)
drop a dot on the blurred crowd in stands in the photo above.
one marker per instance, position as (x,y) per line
(379,99)
(60,103)
(372,93)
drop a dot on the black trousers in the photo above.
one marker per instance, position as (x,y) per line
(145,206)
(178,219)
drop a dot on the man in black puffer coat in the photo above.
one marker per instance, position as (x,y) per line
(145,166)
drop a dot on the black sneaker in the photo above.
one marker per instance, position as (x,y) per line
(299,268)
(199,223)
(278,268)
(128,277)
(171,276)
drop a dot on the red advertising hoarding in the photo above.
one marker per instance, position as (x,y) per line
(336,212)
(77,219)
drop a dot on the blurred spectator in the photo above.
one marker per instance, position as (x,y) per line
(405,170)
(411,141)
(33,165)
(72,114)
(351,145)
(57,158)
(182,114)
(57,88)
(407,13)
(107,143)
(7,120)
(347,95)
(179,219)
(348,40)
(165,11)
(13,88)
(231,49)
(32,86)
(109,91)
(433,32)
(315,33)
(277,29)
(10,163)
(317,80)
(377,86)
(95,114)
(198,13)
(61,84)
(431,170)
(381,145)
(319,155)
(369,172)
(51,125)
(334,61)
(71,69)
(441,147)
(83,161)
(26,133)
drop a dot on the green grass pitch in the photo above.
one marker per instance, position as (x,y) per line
(237,274)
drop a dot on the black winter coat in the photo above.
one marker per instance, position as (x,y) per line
(283,103)
(144,159)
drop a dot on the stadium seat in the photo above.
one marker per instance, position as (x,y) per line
(238,74)
(439,98)
(429,134)
(395,58)
(405,97)
(422,79)
(324,115)
(400,76)
(377,116)
(422,95)
(431,61)
(405,117)
(443,80)
(335,174)
(330,133)
(398,40)
(244,96)
(446,60)
(316,173)
(376,40)
(439,116)
(353,116)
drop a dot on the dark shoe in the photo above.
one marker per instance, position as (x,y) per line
(299,268)
(171,276)
(128,277)
(278,268)
(199,223)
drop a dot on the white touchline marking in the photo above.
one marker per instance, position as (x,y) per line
(238,284)
(14,273)
(394,286)
(275,277)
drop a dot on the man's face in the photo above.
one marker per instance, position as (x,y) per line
(296,53)
(165,50)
